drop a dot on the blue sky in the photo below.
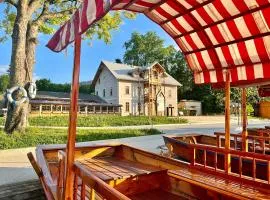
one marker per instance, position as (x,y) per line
(58,66)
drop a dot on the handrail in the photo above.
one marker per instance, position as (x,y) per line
(240,154)
(261,140)
(95,184)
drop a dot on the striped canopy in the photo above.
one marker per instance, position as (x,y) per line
(214,35)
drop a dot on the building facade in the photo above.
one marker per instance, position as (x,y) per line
(140,90)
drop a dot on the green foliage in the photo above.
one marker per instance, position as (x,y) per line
(102,120)
(142,50)
(51,14)
(4,81)
(36,136)
(47,85)
(250,109)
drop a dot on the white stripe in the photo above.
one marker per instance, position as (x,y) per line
(252,51)
(196,39)
(63,35)
(175,30)
(169,9)
(202,77)
(196,65)
(209,11)
(211,36)
(184,23)
(207,60)
(241,73)
(225,32)
(185,4)
(213,76)
(91,11)
(186,44)
(214,12)
(258,71)
(266,41)
(198,17)
(72,35)
(235,54)
(221,57)
(242,27)
(230,7)
(260,22)
(159,16)
(251,3)
(80,18)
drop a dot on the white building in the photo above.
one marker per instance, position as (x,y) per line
(140,90)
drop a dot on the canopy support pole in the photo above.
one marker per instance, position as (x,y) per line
(70,149)
(227,123)
(244,120)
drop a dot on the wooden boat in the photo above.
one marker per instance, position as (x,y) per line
(184,147)
(123,172)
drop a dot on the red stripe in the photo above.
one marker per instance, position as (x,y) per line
(190,42)
(200,60)
(163,13)
(175,6)
(251,24)
(234,75)
(241,6)
(216,32)
(204,15)
(234,30)
(99,8)
(227,55)
(250,73)
(178,26)
(262,2)
(243,52)
(84,23)
(221,9)
(191,22)
(260,47)
(266,70)
(144,4)
(206,76)
(266,14)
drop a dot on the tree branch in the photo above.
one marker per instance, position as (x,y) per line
(11,2)
(33,5)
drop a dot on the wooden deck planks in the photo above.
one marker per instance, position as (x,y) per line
(220,184)
(111,168)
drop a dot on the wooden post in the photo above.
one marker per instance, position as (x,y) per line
(244,120)
(61,109)
(40,109)
(86,110)
(69,181)
(101,109)
(107,109)
(227,123)
(94,109)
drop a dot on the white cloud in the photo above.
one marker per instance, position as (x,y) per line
(36,77)
(3,69)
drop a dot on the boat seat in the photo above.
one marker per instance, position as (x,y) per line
(111,168)
(221,185)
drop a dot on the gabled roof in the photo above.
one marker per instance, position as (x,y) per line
(123,72)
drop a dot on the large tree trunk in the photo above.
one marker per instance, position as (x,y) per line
(21,65)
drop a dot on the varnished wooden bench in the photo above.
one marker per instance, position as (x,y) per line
(220,185)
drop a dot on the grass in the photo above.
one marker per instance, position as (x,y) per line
(103,120)
(35,136)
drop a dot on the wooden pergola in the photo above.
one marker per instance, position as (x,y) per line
(225,42)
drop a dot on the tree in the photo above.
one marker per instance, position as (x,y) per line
(4,80)
(142,50)
(24,20)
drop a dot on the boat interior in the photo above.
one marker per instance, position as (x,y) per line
(123,172)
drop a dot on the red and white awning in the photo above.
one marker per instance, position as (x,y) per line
(214,35)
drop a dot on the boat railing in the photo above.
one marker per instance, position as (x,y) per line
(242,157)
(255,141)
(89,186)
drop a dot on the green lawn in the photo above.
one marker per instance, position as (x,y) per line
(35,136)
(102,120)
